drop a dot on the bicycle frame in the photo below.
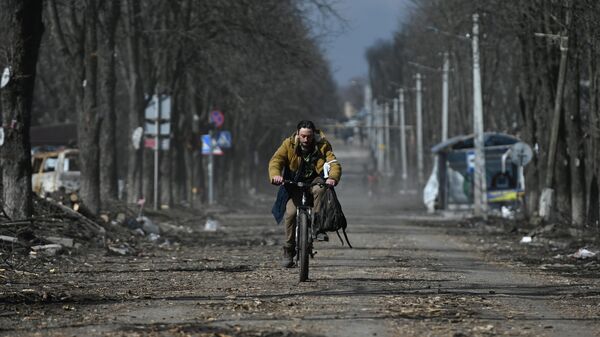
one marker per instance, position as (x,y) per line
(304,207)
(304,233)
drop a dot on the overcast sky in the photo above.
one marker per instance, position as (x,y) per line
(369,20)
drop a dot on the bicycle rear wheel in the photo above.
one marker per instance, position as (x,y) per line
(304,243)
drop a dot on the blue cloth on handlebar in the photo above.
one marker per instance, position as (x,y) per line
(278,209)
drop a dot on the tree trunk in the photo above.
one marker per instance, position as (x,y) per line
(148,176)
(108,146)
(562,177)
(89,121)
(23,30)
(135,168)
(572,120)
(191,132)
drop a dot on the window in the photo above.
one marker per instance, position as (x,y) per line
(50,164)
(71,162)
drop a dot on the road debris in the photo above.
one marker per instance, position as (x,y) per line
(120,250)
(583,253)
(48,250)
(526,239)
(65,242)
(8,238)
(211,225)
(148,225)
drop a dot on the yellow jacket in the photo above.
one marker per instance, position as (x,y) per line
(287,156)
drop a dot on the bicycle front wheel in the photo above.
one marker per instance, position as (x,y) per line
(304,243)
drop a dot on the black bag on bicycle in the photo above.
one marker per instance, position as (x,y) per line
(330,217)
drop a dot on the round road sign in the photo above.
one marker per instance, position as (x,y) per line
(521,154)
(217,118)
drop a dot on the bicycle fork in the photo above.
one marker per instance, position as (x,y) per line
(308,211)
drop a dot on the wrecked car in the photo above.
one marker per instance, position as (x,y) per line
(55,170)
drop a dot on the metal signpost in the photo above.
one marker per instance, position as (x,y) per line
(217,119)
(158,116)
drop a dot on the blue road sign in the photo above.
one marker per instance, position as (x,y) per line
(206,146)
(224,139)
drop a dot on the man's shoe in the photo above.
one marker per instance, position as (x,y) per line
(288,257)
(287,263)
(322,237)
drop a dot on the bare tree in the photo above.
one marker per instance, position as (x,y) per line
(21,24)
(108,144)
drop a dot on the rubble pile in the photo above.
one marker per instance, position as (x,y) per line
(555,246)
(63,225)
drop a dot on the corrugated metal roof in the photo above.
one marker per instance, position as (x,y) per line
(466,141)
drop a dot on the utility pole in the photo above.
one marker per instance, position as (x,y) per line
(380,139)
(547,197)
(157,150)
(395,123)
(419,107)
(479,179)
(445,70)
(402,138)
(369,111)
(386,130)
(395,112)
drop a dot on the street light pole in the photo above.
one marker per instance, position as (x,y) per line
(479,179)
(445,70)
(402,137)
(419,107)
(386,130)
(369,116)
(396,137)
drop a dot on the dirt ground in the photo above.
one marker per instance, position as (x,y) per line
(409,274)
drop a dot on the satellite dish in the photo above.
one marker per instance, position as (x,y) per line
(5,77)
(136,137)
(521,154)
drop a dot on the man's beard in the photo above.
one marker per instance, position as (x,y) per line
(307,148)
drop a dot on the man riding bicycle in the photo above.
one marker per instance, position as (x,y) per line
(305,156)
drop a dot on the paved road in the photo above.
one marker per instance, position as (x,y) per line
(409,274)
(402,278)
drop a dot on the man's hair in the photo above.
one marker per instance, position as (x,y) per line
(305,124)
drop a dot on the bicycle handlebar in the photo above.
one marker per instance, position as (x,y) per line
(302,184)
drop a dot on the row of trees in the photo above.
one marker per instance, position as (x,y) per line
(101,61)
(520,70)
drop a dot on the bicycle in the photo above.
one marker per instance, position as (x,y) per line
(304,233)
